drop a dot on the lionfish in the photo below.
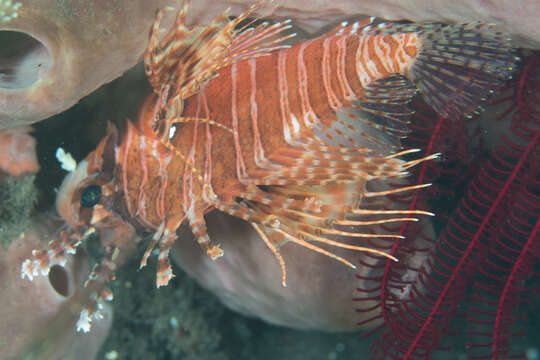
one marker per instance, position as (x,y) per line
(283,136)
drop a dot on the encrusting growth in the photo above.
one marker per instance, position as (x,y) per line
(8,10)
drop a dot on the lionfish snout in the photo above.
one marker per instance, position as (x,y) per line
(65,204)
(85,201)
(73,205)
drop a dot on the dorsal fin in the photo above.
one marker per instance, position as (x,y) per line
(250,42)
(346,28)
(187,57)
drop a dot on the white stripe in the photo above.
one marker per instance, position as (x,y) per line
(310,118)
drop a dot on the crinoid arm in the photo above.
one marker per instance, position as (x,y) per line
(184,58)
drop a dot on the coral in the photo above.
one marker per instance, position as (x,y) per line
(18,152)
(18,196)
(519,20)
(50,48)
(38,317)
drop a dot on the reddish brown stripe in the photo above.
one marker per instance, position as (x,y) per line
(394,47)
(352,44)
(372,45)
(292,80)
(317,96)
(328,73)
(244,89)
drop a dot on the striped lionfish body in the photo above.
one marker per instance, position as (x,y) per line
(284,137)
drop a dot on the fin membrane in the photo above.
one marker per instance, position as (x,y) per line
(459,65)
(385,107)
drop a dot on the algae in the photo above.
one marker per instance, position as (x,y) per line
(179,321)
(184,321)
(18,195)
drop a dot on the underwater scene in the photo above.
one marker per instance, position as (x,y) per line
(263,180)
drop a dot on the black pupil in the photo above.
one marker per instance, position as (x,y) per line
(90,196)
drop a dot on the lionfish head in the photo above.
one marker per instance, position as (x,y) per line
(85,202)
(85,198)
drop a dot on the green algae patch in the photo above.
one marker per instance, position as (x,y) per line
(18,195)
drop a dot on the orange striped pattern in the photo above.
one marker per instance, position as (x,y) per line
(267,120)
(268,102)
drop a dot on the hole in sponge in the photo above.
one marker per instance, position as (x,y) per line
(23,60)
(59,280)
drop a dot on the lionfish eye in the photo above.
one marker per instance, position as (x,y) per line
(90,196)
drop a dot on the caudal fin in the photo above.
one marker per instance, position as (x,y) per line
(459,65)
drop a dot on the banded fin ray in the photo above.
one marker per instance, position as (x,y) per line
(302,167)
(385,106)
(336,226)
(316,201)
